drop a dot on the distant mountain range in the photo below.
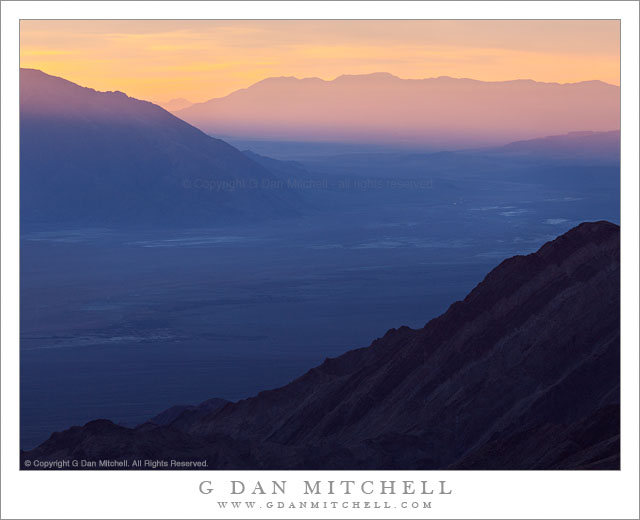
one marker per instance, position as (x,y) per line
(439,112)
(524,373)
(176,104)
(580,163)
(103,158)
(576,146)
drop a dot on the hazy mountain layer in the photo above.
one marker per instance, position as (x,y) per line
(381,108)
(103,158)
(176,104)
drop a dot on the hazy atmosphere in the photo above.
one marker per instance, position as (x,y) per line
(211,209)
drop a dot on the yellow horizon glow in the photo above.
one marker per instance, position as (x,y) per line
(159,60)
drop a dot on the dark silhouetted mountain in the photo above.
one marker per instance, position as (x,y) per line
(89,157)
(171,414)
(381,108)
(524,373)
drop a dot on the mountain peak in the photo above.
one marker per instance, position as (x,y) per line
(97,149)
(508,277)
(381,108)
(175,104)
(584,235)
(367,77)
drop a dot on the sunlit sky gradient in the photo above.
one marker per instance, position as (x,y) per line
(200,60)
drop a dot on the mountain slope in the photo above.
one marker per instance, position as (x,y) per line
(574,146)
(380,108)
(521,374)
(176,104)
(570,157)
(91,157)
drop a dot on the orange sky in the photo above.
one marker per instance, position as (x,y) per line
(199,60)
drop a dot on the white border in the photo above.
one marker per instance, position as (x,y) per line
(479,494)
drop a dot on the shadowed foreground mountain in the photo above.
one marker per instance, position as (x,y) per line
(103,158)
(521,374)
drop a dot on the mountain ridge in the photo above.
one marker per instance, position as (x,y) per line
(382,108)
(387,75)
(473,389)
(115,160)
(175,104)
